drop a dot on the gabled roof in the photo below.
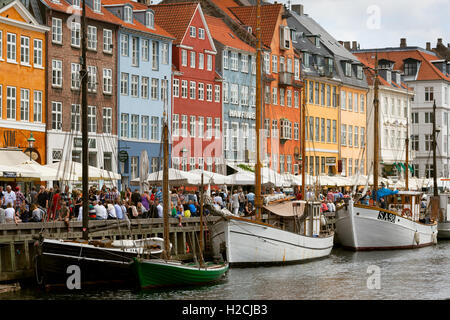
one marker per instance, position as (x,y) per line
(175,18)
(427,70)
(136,25)
(28,20)
(223,34)
(269,14)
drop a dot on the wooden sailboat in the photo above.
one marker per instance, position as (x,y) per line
(398,226)
(165,272)
(99,262)
(287,232)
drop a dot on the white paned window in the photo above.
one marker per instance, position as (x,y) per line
(155,129)
(217,128)
(201,33)
(155,83)
(192,31)
(234,92)
(75,76)
(209,62)
(107,120)
(225,59)
(145,127)
(208,127)
(37,106)
(209,92)
(201,126)
(92,38)
(144,87)
(124,45)
(134,126)
(11,49)
(97,6)
(128,14)
(37,52)
(216,93)
(225,92)
(184,90)
(244,95)
(135,51)
(107,41)
(201,91)
(25,50)
(244,63)
(134,85)
(124,83)
(155,55)
(165,53)
(175,125)
(192,65)
(150,20)
(57,73)
(183,58)
(201,61)
(92,78)
(192,89)
(92,119)
(184,125)
(24,104)
(56,30)
(56,115)
(145,50)
(176,88)
(107,81)
(274,64)
(192,126)
(124,125)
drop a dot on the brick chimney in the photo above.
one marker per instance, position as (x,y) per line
(402,42)
(347,45)
(354,45)
(341,42)
(428,46)
(439,42)
(298,8)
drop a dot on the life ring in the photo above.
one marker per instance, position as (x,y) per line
(406,212)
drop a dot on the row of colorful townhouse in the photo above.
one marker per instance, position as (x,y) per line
(194,62)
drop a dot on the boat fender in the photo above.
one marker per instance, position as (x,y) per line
(323,221)
(187,248)
(417,237)
(434,236)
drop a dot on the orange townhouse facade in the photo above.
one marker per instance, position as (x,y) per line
(281,86)
(22,80)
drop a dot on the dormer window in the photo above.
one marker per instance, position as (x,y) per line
(150,19)
(317,42)
(201,33)
(330,65)
(306,58)
(348,69)
(97,6)
(285,37)
(76,3)
(410,67)
(128,14)
(359,72)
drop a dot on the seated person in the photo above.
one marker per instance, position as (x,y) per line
(36,213)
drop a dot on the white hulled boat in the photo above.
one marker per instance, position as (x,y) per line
(361,227)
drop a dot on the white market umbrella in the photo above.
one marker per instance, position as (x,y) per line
(176,177)
(41,172)
(244,178)
(16,172)
(70,169)
(212,177)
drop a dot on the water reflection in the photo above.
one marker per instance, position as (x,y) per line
(404,274)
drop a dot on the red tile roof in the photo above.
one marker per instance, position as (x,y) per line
(269,18)
(175,18)
(225,6)
(222,33)
(427,70)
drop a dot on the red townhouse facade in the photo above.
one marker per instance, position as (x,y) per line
(196,89)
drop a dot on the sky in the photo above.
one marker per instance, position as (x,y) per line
(381,23)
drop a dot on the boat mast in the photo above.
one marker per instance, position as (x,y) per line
(84,125)
(376,130)
(258,198)
(165,184)
(407,140)
(200,240)
(303,142)
(435,186)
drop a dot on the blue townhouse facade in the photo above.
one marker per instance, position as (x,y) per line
(144,87)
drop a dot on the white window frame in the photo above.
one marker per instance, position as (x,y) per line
(107,81)
(57,30)
(37,105)
(57,79)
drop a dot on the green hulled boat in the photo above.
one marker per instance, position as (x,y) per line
(153,273)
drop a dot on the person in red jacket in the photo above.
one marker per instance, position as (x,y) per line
(56,204)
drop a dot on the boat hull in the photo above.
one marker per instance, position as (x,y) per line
(364,228)
(157,273)
(96,265)
(444,230)
(248,243)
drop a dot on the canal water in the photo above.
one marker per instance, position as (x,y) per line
(401,274)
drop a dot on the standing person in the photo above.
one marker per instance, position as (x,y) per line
(174,197)
(128,194)
(159,207)
(145,199)
(65,196)
(33,196)
(1,196)
(42,198)
(20,198)
(241,200)
(9,197)
(135,197)
(235,202)
(56,205)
